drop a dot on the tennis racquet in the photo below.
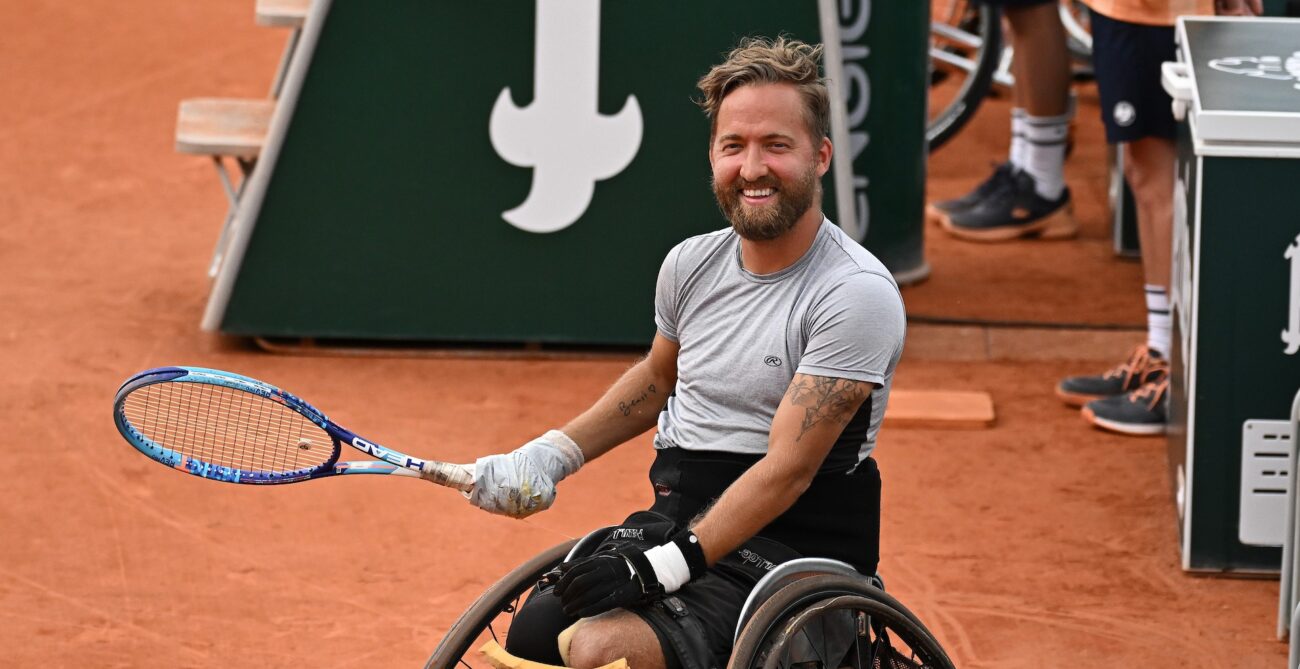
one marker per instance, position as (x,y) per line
(231,428)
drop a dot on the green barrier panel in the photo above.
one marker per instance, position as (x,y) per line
(1246,374)
(887,70)
(516,171)
(1235,292)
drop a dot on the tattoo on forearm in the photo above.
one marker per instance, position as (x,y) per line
(626,406)
(825,399)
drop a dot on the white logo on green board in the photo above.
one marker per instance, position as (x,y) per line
(561,135)
(855,18)
(1261,67)
(1291,335)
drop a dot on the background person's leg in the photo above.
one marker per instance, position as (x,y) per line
(1024,75)
(1135,109)
(1028,198)
(1042,61)
(1149,170)
(1043,65)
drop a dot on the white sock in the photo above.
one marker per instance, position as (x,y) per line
(1159,324)
(1044,157)
(1018,144)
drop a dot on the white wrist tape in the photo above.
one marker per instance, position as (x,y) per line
(670,566)
(555,453)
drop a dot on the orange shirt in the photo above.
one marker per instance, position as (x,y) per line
(1149,12)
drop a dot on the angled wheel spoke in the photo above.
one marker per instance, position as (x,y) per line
(965,40)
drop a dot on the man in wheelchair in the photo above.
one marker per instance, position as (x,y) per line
(768,377)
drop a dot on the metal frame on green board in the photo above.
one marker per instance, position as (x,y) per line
(251,202)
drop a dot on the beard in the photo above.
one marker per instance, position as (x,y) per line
(772,220)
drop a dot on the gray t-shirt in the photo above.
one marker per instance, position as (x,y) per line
(836,312)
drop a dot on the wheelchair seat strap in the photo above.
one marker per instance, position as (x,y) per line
(683,632)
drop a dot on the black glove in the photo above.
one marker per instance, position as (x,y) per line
(615,579)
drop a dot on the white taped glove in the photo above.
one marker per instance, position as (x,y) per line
(522,482)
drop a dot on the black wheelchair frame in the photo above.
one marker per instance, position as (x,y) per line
(810,613)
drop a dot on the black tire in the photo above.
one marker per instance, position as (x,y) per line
(502,598)
(887,634)
(944,123)
(1078,43)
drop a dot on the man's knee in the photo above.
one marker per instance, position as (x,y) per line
(611,637)
(590,650)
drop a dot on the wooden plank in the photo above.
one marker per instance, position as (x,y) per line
(939,409)
(499,658)
(223,126)
(281,13)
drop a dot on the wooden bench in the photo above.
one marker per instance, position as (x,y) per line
(222,128)
(283,14)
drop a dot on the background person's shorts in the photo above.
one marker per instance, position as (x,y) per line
(1126,59)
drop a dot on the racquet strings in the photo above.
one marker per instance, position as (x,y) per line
(227,427)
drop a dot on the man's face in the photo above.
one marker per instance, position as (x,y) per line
(766,165)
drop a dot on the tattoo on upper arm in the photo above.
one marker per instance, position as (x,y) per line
(825,398)
(625,407)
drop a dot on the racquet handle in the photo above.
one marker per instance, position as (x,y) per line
(460,477)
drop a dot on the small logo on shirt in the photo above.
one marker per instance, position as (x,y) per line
(772,361)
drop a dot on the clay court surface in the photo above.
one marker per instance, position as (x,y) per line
(1035,543)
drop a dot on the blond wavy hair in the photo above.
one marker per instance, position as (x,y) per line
(758,60)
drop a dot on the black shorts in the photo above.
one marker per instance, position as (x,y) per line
(1126,59)
(837,517)
(712,602)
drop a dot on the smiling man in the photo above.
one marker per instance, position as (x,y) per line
(768,378)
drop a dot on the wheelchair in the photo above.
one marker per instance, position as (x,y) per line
(809,613)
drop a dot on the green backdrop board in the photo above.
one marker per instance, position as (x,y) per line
(886,70)
(1235,289)
(515,171)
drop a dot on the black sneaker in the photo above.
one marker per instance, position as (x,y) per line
(1142,412)
(940,211)
(1012,211)
(1142,367)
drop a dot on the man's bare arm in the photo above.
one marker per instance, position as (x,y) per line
(808,421)
(522,482)
(631,406)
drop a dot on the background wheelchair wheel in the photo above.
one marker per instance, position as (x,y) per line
(1076,19)
(965,45)
(829,622)
(490,615)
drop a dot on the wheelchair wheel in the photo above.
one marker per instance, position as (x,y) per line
(965,45)
(490,615)
(1078,31)
(834,621)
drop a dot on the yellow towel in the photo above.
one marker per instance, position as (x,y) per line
(499,658)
